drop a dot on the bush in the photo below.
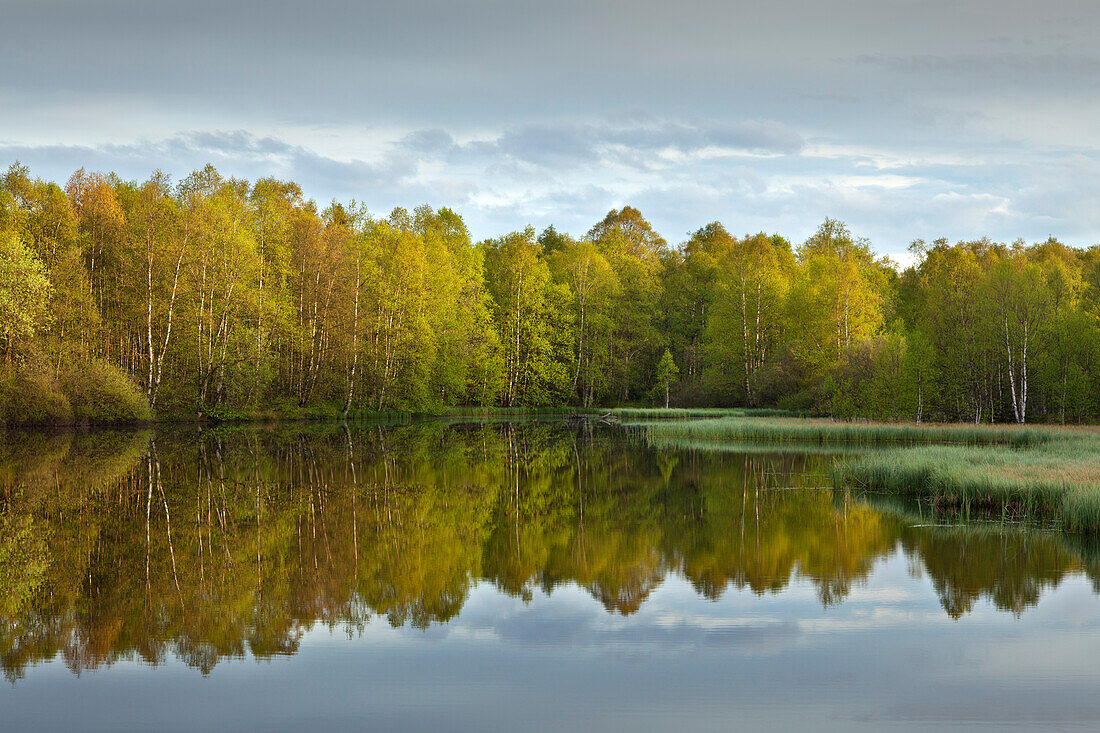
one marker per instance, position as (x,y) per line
(29,395)
(101,393)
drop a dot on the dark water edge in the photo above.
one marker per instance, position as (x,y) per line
(536,575)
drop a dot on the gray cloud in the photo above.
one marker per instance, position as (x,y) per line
(1005,63)
(431,142)
(435,60)
(550,144)
(235,153)
(906,119)
(1064,71)
(521,178)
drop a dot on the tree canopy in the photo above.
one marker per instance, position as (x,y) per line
(213,296)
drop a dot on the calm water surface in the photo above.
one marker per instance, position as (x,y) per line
(513,576)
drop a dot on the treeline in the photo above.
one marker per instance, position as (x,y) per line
(214,297)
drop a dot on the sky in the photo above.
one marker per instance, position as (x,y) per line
(903,118)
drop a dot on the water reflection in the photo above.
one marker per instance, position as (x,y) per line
(206,546)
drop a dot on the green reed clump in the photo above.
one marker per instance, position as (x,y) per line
(699,412)
(1058,479)
(824,432)
(1031,476)
(1042,471)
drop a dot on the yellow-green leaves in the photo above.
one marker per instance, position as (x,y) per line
(24,293)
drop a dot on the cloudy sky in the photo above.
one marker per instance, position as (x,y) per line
(904,118)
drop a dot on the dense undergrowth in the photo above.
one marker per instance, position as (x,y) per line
(36,393)
(33,392)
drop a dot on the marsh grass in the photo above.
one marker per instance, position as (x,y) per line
(1043,472)
(957,513)
(1057,479)
(832,432)
(672,413)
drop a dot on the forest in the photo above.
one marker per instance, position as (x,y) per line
(215,298)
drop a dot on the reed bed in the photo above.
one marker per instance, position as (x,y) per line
(824,432)
(672,413)
(1046,472)
(1059,478)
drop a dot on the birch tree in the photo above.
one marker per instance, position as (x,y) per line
(1022,302)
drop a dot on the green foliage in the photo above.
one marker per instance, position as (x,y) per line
(223,299)
(24,293)
(837,297)
(29,395)
(745,319)
(101,393)
(667,373)
(23,561)
(533,319)
(83,391)
(873,377)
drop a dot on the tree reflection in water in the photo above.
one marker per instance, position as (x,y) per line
(205,546)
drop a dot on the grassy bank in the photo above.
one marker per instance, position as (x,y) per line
(673,413)
(1043,471)
(823,431)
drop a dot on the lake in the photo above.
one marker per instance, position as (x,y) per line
(514,575)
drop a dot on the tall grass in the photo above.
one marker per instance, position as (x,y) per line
(825,432)
(1045,471)
(1059,478)
(699,412)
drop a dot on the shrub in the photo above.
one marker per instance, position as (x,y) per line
(101,393)
(29,395)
